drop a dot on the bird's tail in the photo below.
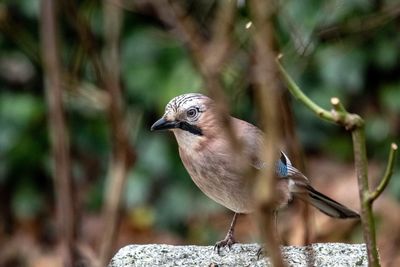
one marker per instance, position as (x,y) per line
(327,205)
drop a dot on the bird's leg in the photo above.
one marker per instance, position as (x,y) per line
(229,240)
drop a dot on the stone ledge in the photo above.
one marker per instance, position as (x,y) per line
(322,254)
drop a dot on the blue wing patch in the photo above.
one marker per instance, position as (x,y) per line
(282,168)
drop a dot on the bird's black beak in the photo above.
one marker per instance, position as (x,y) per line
(163,124)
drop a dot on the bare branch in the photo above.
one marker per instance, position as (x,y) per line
(266,82)
(120,159)
(355,124)
(337,105)
(219,48)
(338,115)
(388,174)
(297,93)
(11,27)
(359,25)
(173,15)
(58,133)
(86,37)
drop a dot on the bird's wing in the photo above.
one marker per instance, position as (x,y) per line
(252,139)
(284,167)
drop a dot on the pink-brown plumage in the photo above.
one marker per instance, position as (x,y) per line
(224,174)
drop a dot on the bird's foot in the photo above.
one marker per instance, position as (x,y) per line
(260,252)
(228,241)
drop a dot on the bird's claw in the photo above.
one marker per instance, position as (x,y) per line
(260,252)
(228,241)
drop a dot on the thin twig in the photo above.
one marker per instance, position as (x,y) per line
(219,48)
(58,133)
(297,93)
(25,39)
(213,58)
(338,115)
(388,174)
(86,37)
(266,84)
(337,105)
(119,164)
(359,25)
(294,149)
(185,27)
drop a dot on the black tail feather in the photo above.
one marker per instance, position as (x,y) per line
(327,205)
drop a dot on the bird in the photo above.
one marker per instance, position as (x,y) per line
(214,166)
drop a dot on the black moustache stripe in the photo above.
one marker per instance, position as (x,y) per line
(190,128)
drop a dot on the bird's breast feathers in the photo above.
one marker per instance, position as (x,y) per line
(219,177)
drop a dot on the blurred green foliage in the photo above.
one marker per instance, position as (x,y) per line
(361,66)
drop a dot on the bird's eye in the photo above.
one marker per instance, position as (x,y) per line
(191,113)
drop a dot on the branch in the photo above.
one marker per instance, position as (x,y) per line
(213,57)
(267,89)
(355,124)
(11,26)
(388,174)
(58,133)
(86,37)
(337,105)
(120,157)
(185,27)
(298,94)
(220,46)
(358,25)
(338,114)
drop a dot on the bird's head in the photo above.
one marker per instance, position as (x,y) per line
(185,115)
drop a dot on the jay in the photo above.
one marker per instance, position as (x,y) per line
(212,163)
